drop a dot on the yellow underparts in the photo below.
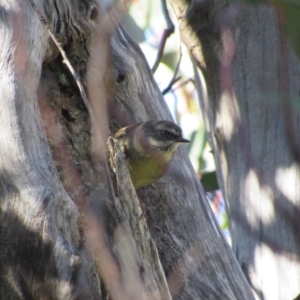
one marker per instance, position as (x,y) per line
(147,170)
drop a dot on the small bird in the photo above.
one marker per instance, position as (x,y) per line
(149,147)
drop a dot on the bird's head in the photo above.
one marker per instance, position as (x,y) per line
(163,136)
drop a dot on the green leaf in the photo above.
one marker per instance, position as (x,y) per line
(225,224)
(210,182)
(291,12)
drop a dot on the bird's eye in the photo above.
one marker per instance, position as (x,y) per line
(165,133)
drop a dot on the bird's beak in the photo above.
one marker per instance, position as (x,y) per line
(182,140)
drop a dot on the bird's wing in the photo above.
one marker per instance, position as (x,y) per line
(125,130)
(120,133)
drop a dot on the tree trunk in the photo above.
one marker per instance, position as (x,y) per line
(267,197)
(67,230)
(254,135)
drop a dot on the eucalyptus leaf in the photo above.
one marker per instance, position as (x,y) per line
(291,12)
(210,182)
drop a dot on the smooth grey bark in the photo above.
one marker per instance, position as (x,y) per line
(254,135)
(63,224)
(267,195)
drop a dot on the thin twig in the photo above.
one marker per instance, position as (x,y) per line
(174,78)
(167,32)
(65,60)
(182,84)
(169,87)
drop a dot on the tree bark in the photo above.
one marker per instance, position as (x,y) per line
(196,259)
(62,233)
(254,134)
(268,195)
(39,234)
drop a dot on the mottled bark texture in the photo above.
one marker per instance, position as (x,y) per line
(42,251)
(68,229)
(251,109)
(196,259)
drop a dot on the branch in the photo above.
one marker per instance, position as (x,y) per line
(174,78)
(166,34)
(136,250)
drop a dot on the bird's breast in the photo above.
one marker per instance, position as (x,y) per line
(146,162)
(148,169)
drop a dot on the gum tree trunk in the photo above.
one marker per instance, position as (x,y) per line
(70,228)
(251,110)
